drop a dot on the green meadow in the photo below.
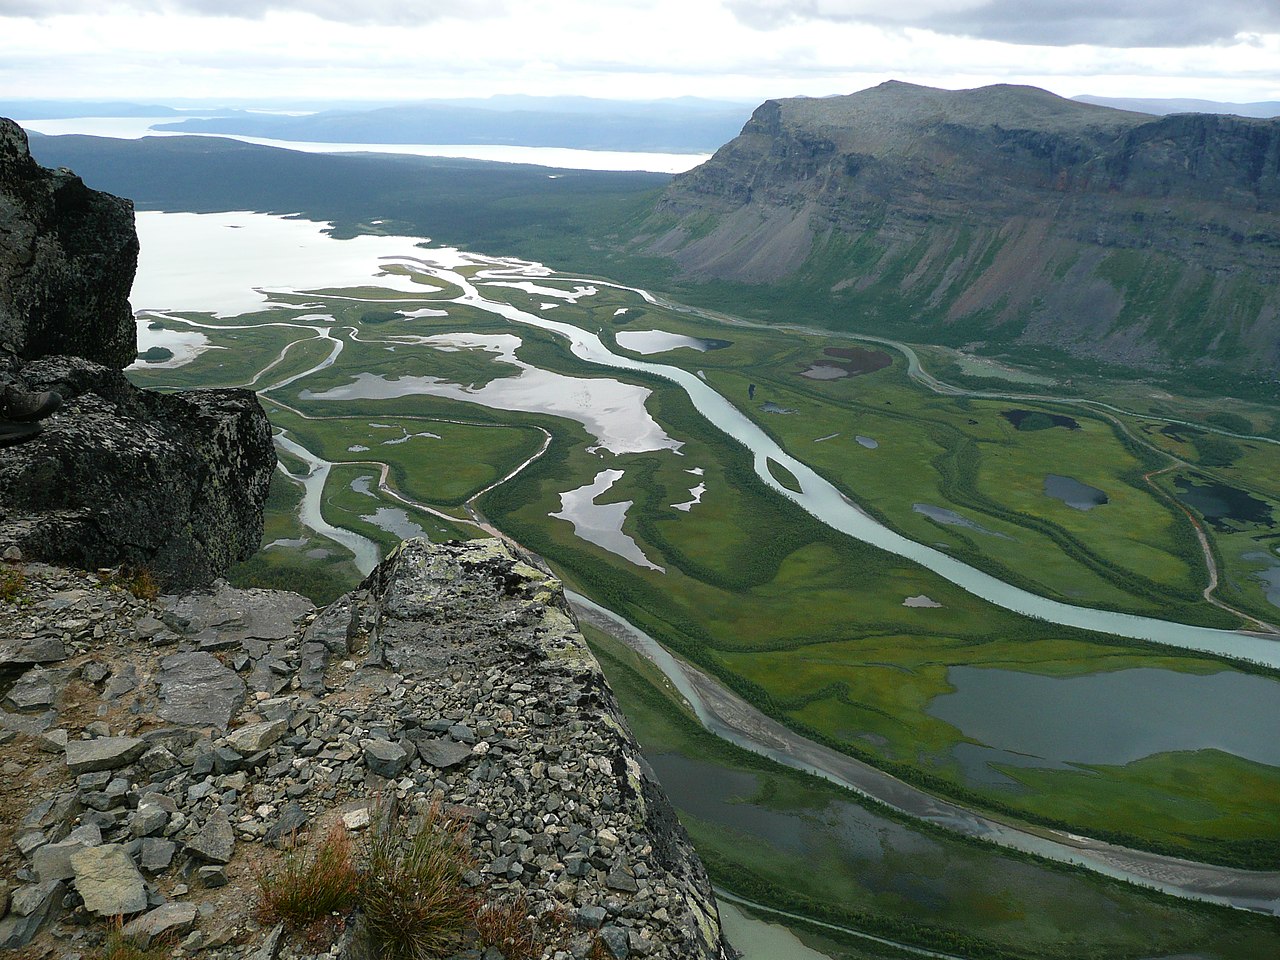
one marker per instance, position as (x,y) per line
(808,624)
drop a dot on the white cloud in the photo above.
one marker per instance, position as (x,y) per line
(1109,23)
(407,13)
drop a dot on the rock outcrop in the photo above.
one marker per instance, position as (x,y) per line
(67,259)
(173,483)
(454,679)
(1002,214)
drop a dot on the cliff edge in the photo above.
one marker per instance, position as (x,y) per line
(186,740)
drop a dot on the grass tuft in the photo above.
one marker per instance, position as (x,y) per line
(311,894)
(119,947)
(413,897)
(510,926)
(12,585)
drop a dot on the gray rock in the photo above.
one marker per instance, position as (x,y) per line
(105,753)
(108,881)
(283,832)
(36,898)
(17,930)
(197,690)
(211,877)
(616,941)
(385,758)
(53,860)
(34,690)
(216,842)
(17,653)
(148,820)
(168,918)
(270,946)
(257,736)
(441,753)
(156,854)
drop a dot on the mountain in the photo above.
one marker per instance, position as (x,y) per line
(1163,106)
(1003,215)
(669,126)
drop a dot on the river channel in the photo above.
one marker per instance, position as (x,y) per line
(736,720)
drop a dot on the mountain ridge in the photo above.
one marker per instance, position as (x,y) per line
(1002,214)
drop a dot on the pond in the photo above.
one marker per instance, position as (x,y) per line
(612,411)
(659,341)
(1269,575)
(953,519)
(1025,719)
(1073,493)
(1038,420)
(1219,503)
(601,523)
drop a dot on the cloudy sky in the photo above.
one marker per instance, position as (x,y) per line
(287,50)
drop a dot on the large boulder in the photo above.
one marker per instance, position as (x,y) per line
(172,482)
(67,259)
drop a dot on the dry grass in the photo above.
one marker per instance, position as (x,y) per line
(312,894)
(509,925)
(119,947)
(412,894)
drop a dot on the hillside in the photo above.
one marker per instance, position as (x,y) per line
(1005,215)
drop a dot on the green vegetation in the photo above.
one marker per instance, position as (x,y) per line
(798,843)
(311,893)
(808,624)
(415,903)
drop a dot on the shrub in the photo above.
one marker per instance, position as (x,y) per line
(412,893)
(311,893)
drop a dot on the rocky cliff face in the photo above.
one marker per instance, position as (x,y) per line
(1004,214)
(67,259)
(174,483)
(170,745)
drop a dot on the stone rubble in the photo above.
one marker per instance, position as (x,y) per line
(189,738)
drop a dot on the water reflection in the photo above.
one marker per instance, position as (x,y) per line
(1026,719)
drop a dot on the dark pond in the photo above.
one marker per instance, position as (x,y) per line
(1024,719)
(1073,493)
(1219,503)
(858,360)
(1269,575)
(1038,420)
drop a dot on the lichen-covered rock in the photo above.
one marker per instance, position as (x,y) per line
(172,482)
(67,259)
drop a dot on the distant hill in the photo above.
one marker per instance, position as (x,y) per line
(65,109)
(1163,107)
(1003,215)
(495,207)
(663,126)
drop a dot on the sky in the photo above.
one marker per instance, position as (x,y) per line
(286,52)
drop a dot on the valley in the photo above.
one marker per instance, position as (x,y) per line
(745,495)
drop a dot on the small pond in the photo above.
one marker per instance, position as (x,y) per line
(1025,719)
(953,519)
(394,520)
(1038,420)
(1073,493)
(601,523)
(867,442)
(660,341)
(1219,503)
